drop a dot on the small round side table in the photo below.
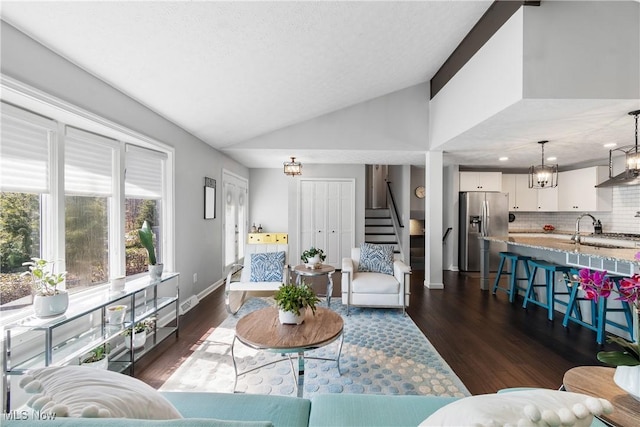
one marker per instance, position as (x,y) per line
(302,270)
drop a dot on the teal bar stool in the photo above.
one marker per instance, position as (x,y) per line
(599,312)
(549,284)
(513,288)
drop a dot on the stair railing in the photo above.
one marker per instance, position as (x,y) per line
(393,204)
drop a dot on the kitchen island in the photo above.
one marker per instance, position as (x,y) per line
(595,253)
(558,248)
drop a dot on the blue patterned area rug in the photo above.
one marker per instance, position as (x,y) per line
(383,352)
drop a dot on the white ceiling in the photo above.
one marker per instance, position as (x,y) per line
(231,71)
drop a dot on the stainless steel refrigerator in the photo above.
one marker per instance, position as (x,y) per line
(482,214)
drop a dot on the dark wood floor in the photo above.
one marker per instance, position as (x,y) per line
(488,342)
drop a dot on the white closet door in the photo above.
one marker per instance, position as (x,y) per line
(327,215)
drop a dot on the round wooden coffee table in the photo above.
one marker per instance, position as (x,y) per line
(262,330)
(598,381)
(324,269)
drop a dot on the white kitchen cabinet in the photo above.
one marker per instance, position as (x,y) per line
(480,181)
(548,200)
(577,192)
(521,197)
(327,217)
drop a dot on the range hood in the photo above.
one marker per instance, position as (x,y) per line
(620,180)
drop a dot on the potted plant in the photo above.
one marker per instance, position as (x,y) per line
(97,358)
(313,257)
(136,336)
(48,299)
(146,238)
(292,301)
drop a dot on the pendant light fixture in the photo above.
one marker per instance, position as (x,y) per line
(631,173)
(632,154)
(543,176)
(292,168)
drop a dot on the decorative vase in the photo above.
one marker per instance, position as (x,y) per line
(100,364)
(115,314)
(290,318)
(138,340)
(313,262)
(628,379)
(50,305)
(155,271)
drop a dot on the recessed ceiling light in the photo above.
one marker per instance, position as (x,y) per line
(551,159)
(503,159)
(610,144)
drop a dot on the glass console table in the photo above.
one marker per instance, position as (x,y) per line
(68,338)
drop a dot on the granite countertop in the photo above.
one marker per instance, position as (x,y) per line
(560,243)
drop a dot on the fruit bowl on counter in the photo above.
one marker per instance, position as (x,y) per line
(548,228)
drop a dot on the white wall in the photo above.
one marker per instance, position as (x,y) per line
(417,179)
(269,198)
(582,50)
(395,121)
(488,83)
(198,243)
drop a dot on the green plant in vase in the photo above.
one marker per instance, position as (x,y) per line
(146,239)
(48,299)
(313,256)
(292,300)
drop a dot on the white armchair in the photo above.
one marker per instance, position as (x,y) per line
(372,289)
(265,276)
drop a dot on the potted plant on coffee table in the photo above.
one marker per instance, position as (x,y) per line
(48,299)
(313,257)
(293,300)
(146,239)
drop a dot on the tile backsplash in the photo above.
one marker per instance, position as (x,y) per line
(621,219)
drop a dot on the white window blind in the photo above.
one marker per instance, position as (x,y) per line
(25,144)
(88,163)
(144,173)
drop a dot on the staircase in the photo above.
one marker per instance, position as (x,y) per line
(378,228)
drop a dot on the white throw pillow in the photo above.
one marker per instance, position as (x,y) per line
(79,391)
(535,407)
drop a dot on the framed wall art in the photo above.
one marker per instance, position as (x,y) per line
(209,198)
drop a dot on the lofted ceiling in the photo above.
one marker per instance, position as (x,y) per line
(228,72)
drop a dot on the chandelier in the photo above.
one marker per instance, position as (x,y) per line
(543,176)
(632,154)
(292,168)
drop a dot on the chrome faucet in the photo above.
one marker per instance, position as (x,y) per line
(576,235)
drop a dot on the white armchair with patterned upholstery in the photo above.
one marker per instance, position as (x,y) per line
(373,278)
(265,268)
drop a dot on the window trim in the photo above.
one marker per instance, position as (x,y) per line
(34,100)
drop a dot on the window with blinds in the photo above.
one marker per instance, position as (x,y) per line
(75,197)
(26,145)
(144,187)
(24,151)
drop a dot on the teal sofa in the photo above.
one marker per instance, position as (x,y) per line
(249,410)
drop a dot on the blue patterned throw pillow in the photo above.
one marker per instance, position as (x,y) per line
(267,266)
(376,258)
